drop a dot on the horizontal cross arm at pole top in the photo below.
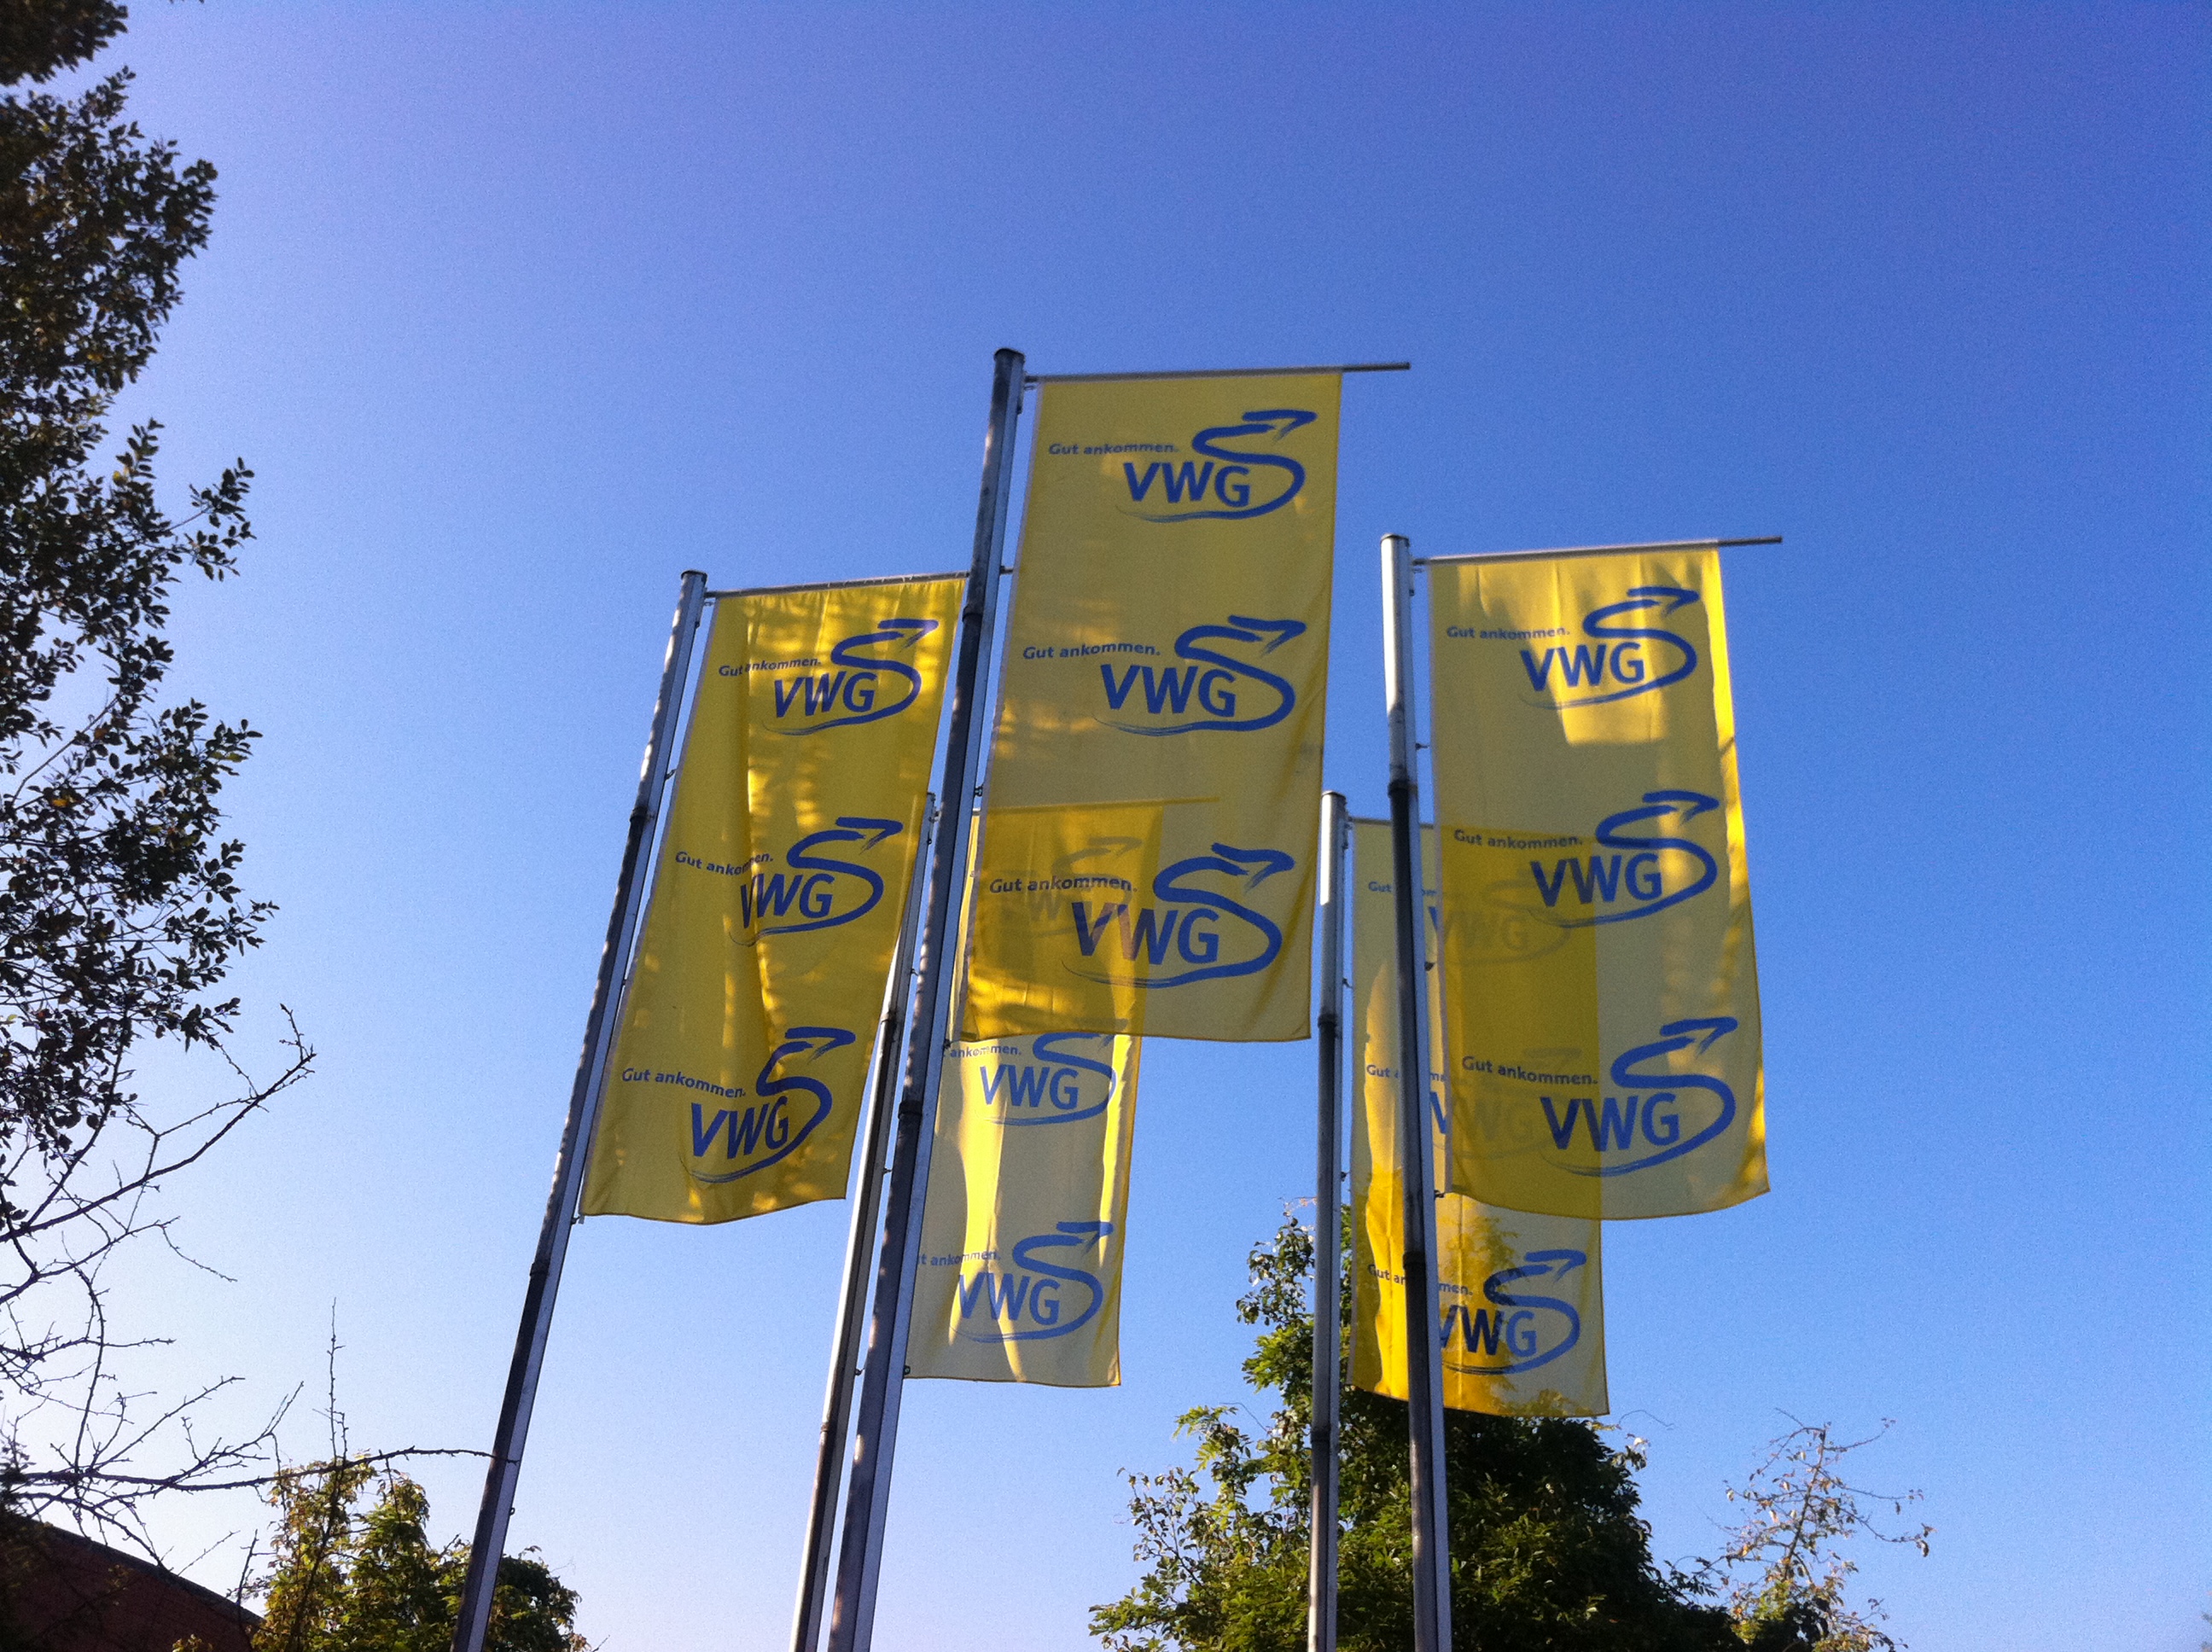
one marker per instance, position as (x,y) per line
(1219,373)
(1593,551)
(835,585)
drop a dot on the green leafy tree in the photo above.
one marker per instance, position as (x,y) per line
(347,1579)
(120,911)
(1548,1554)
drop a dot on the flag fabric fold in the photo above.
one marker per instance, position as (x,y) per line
(1019,1279)
(1522,1308)
(737,1078)
(1144,865)
(1599,989)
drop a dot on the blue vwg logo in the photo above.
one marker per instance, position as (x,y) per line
(1643,876)
(1652,1109)
(1031,1290)
(1617,667)
(1206,694)
(767,1128)
(1181,939)
(812,702)
(1517,1333)
(1241,483)
(1054,1085)
(815,891)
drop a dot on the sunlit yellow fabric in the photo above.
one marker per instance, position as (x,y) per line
(1020,1276)
(1522,1301)
(738,1078)
(1600,992)
(1148,849)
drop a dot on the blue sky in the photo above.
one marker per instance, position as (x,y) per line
(517,313)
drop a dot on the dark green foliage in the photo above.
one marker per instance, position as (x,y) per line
(1547,1553)
(350,1580)
(120,911)
(38,40)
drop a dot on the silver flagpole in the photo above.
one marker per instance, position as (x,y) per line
(1425,1374)
(859,1554)
(490,1540)
(859,1251)
(1328,1229)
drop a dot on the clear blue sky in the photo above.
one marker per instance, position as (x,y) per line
(518,312)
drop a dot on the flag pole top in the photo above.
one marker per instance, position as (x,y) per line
(1593,551)
(837,585)
(1217,373)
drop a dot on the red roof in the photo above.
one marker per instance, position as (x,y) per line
(63,1592)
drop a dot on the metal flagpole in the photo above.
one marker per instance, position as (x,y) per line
(490,1539)
(859,1251)
(1329,1229)
(1425,1374)
(860,1555)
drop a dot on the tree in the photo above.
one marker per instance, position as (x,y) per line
(346,1581)
(1547,1553)
(1802,1506)
(121,910)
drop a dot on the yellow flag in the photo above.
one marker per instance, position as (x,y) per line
(1020,1276)
(1147,855)
(1601,998)
(1522,1311)
(737,1080)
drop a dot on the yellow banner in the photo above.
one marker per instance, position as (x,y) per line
(738,1078)
(1601,994)
(1147,852)
(1020,1276)
(1523,1307)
